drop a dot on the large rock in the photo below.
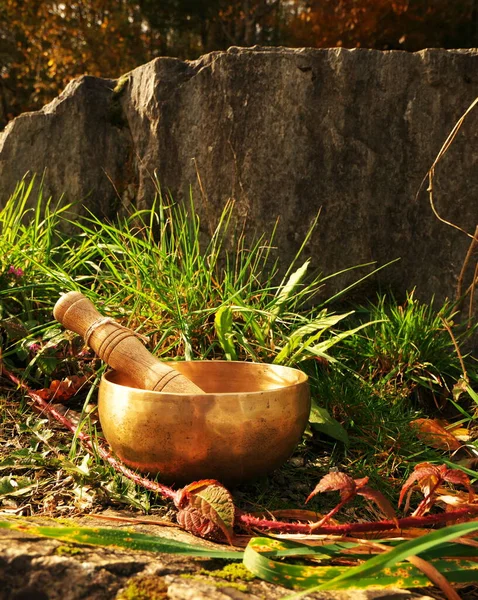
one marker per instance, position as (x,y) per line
(285,133)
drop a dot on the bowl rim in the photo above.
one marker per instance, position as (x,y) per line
(303,379)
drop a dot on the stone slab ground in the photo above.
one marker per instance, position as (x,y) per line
(34,568)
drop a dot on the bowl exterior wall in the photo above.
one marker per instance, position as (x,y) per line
(224,435)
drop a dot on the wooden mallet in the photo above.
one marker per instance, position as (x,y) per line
(119,347)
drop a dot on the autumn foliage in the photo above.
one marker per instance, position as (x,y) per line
(45,44)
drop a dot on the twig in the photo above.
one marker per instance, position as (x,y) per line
(459,283)
(457,349)
(440,155)
(434,576)
(134,521)
(472,294)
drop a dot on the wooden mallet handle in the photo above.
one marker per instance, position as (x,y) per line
(119,347)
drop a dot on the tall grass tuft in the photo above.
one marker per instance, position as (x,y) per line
(410,347)
(198,299)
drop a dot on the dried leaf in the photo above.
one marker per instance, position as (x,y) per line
(461,433)
(62,391)
(432,433)
(335,481)
(206,508)
(454,501)
(296,514)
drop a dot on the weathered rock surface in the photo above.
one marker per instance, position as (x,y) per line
(33,568)
(285,133)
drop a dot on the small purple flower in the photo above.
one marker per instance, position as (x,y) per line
(34,347)
(14,271)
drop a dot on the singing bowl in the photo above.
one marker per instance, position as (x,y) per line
(246,424)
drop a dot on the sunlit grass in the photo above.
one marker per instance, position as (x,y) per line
(201,296)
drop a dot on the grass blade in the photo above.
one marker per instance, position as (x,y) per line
(98,536)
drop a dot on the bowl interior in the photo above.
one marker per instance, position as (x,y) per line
(228,377)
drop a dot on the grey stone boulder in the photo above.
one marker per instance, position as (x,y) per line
(285,133)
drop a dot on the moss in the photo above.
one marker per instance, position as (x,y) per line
(149,587)
(241,587)
(115,111)
(64,549)
(121,84)
(231,572)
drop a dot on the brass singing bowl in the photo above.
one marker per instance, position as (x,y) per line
(246,424)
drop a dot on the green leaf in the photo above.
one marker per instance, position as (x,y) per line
(98,536)
(15,486)
(223,325)
(472,393)
(258,559)
(321,420)
(286,290)
(27,458)
(312,331)
(320,349)
(260,554)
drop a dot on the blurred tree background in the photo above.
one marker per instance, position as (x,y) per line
(44,44)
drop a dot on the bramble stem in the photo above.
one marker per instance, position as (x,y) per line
(86,441)
(347,528)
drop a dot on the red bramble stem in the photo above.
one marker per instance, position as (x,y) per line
(96,448)
(348,528)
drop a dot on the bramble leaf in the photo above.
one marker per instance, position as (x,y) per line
(335,481)
(380,501)
(206,508)
(428,478)
(422,472)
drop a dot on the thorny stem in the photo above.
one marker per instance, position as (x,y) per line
(347,528)
(472,294)
(86,441)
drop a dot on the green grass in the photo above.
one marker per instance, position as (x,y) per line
(212,296)
(411,347)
